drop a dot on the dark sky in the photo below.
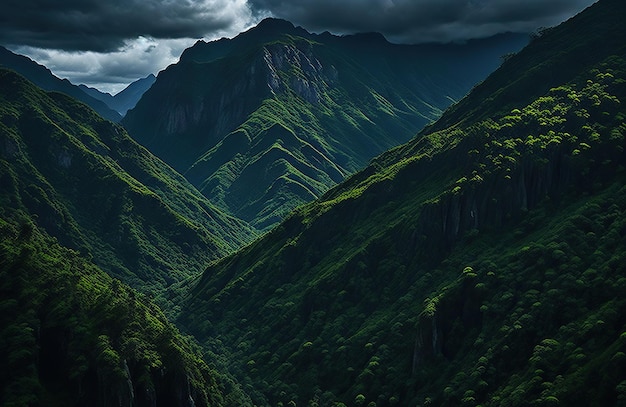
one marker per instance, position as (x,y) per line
(109,43)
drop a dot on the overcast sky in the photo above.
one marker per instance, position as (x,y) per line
(110,43)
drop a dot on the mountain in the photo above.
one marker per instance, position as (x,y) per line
(478,264)
(42,77)
(88,184)
(129,96)
(274,117)
(125,99)
(104,97)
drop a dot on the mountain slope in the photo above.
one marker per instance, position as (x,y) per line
(126,99)
(87,183)
(42,77)
(70,335)
(272,118)
(477,264)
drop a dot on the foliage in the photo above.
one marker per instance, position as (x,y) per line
(87,183)
(72,335)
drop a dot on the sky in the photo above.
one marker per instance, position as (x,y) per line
(108,44)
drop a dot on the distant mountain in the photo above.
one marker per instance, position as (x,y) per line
(88,184)
(42,77)
(104,97)
(128,98)
(274,117)
(125,99)
(481,263)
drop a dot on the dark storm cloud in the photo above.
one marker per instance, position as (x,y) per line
(423,20)
(110,43)
(104,25)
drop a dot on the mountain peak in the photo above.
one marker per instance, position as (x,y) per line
(271,28)
(275,25)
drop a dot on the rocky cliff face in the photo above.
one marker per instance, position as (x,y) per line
(296,67)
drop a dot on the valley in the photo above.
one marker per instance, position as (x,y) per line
(297,219)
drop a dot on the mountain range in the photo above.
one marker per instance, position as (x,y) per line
(45,79)
(108,106)
(126,99)
(478,263)
(274,117)
(97,191)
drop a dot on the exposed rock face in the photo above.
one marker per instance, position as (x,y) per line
(299,68)
(493,203)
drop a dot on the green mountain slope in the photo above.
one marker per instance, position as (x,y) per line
(42,77)
(479,264)
(70,335)
(274,117)
(87,183)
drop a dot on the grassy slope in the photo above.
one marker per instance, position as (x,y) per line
(91,186)
(478,264)
(341,101)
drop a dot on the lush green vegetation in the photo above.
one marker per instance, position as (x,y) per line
(80,202)
(479,264)
(87,183)
(70,335)
(273,118)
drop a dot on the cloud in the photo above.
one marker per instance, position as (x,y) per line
(110,72)
(413,21)
(107,25)
(108,44)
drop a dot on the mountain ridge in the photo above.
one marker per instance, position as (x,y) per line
(88,182)
(43,77)
(476,264)
(276,79)
(125,99)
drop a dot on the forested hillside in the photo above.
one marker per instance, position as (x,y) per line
(81,202)
(70,335)
(479,264)
(274,117)
(86,182)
